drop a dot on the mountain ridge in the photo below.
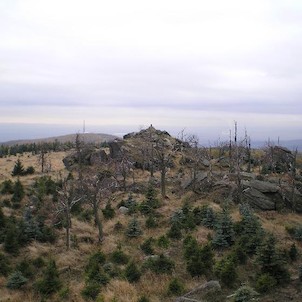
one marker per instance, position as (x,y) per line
(88,137)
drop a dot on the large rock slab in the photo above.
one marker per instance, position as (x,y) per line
(258,200)
(287,194)
(98,157)
(261,186)
(115,149)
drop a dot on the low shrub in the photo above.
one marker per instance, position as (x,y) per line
(91,290)
(16,280)
(132,272)
(175,287)
(119,257)
(265,283)
(160,264)
(146,246)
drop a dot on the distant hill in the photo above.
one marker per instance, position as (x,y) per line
(88,138)
(290,144)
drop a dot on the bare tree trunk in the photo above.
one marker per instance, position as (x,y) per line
(163,181)
(293,184)
(78,145)
(237,167)
(230,153)
(68,226)
(98,222)
(152,161)
(42,160)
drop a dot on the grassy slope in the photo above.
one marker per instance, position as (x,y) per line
(71,264)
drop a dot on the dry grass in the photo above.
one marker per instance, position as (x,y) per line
(17,296)
(275,223)
(71,263)
(7,164)
(120,290)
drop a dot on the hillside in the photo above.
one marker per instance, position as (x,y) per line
(151,218)
(290,144)
(96,138)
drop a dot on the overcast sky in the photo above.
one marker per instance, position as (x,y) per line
(123,64)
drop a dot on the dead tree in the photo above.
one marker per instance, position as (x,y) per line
(163,157)
(97,188)
(79,145)
(248,151)
(237,165)
(66,201)
(44,159)
(195,157)
(151,151)
(122,168)
(238,153)
(293,179)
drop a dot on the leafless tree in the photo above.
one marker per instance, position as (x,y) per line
(293,179)
(97,189)
(248,151)
(44,159)
(66,201)
(79,145)
(195,157)
(237,155)
(163,155)
(122,168)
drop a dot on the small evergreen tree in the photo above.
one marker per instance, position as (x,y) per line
(2,225)
(50,281)
(11,244)
(108,212)
(175,287)
(95,275)
(151,222)
(160,265)
(16,280)
(163,242)
(151,202)
(18,169)
(265,282)
(131,204)
(96,259)
(146,246)
(4,265)
(209,218)
(200,260)
(199,214)
(189,219)
(29,170)
(119,257)
(151,196)
(7,187)
(31,229)
(224,235)
(175,231)
(134,229)
(271,260)
(91,290)
(132,272)
(26,268)
(250,230)
(18,194)
(293,252)
(226,271)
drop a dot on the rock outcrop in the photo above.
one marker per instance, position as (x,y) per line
(200,293)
